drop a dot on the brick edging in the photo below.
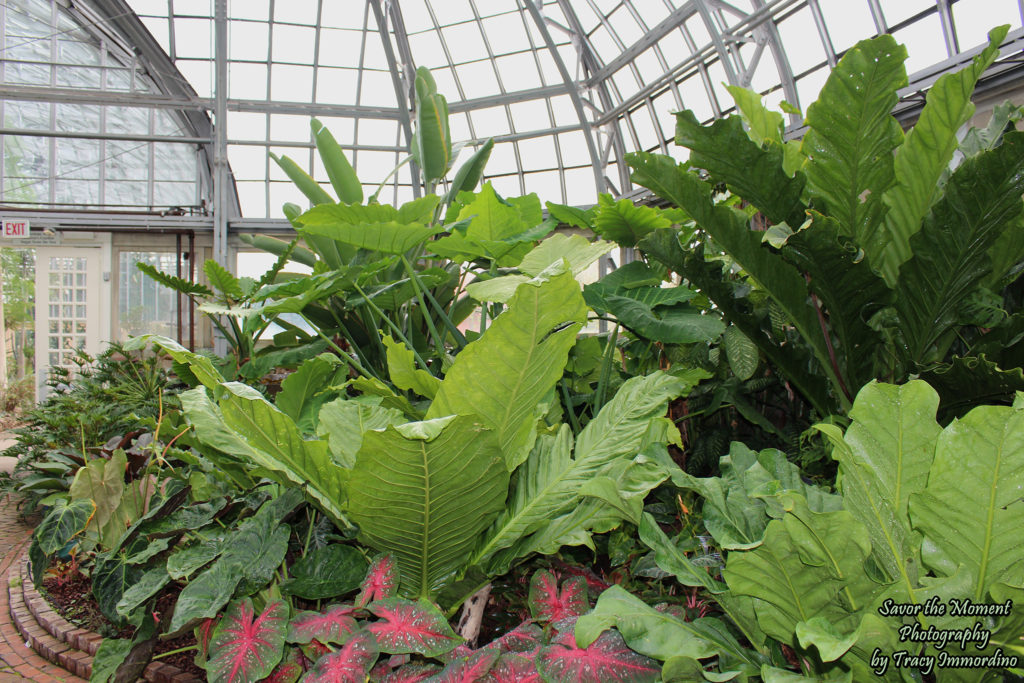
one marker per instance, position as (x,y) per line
(60,641)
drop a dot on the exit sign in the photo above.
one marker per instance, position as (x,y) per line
(16,229)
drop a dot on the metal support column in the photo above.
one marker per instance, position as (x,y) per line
(220,157)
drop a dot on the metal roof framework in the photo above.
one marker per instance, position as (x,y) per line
(566,88)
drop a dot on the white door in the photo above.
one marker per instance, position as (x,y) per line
(67,308)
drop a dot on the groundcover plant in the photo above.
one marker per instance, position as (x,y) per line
(836,320)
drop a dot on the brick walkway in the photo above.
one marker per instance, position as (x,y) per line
(18,662)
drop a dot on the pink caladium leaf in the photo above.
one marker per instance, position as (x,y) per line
(460,652)
(411,627)
(513,669)
(381,581)
(523,638)
(471,669)
(350,664)
(246,646)
(333,625)
(288,671)
(548,603)
(606,659)
(410,673)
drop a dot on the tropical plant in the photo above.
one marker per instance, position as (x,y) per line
(861,256)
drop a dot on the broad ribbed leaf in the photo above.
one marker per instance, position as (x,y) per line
(763,125)
(63,523)
(751,171)
(381,581)
(971,511)
(222,280)
(923,158)
(102,482)
(625,223)
(205,595)
(967,382)
(851,136)
(325,572)
(549,483)
(549,602)
(344,422)
(375,227)
(728,228)
(403,371)
(184,561)
(950,253)
(809,565)
(670,559)
(654,633)
(579,251)
(302,392)
(411,627)
(349,664)
(678,324)
(884,459)
(333,625)
(606,659)
(503,376)
(741,353)
(246,646)
(272,440)
(147,586)
(424,492)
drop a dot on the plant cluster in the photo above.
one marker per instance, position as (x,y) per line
(803,427)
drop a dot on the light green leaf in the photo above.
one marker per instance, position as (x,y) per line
(972,504)
(579,251)
(668,557)
(820,633)
(222,280)
(925,155)
(375,227)
(438,494)
(852,134)
(201,366)
(102,482)
(741,353)
(624,222)
(343,178)
(404,373)
(763,125)
(678,324)
(503,376)
(303,392)
(432,144)
(499,289)
(303,181)
(344,422)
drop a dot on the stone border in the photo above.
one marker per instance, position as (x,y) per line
(60,641)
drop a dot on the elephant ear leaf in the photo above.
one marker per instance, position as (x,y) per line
(351,662)
(381,581)
(976,479)
(605,659)
(548,603)
(443,482)
(247,646)
(407,627)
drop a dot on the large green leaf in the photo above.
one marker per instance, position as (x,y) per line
(102,482)
(549,483)
(424,492)
(64,522)
(950,252)
(623,222)
(753,172)
(503,376)
(579,251)
(677,324)
(809,565)
(302,180)
(375,227)
(326,572)
(403,371)
(728,228)
(923,158)
(344,422)
(248,426)
(884,459)
(971,510)
(851,136)
(303,392)
(343,177)
(432,143)
(763,125)
(670,559)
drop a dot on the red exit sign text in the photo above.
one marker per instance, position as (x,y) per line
(16,229)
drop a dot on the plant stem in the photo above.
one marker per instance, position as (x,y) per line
(174,652)
(438,342)
(348,358)
(394,327)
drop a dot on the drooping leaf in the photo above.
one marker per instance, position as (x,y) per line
(468,175)
(654,633)
(925,155)
(344,422)
(375,227)
(831,644)
(579,251)
(302,392)
(432,142)
(325,572)
(976,479)
(625,223)
(606,658)
(763,125)
(549,602)
(111,576)
(349,664)
(852,135)
(183,562)
(302,180)
(205,595)
(503,376)
(670,559)
(405,626)
(109,656)
(63,523)
(102,482)
(335,624)
(750,170)
(403,371)
(246,646)
(950,252)
(678,324)
(381,581)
